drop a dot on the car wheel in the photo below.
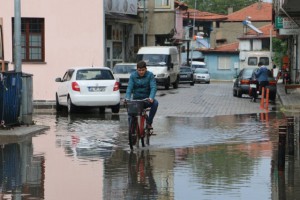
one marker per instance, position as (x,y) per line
(272,96)
(238,93)
(167,85)
(57,105)
(175,84)
(115,109)
(192,83)
(234,92)
(71,106)
(102,109)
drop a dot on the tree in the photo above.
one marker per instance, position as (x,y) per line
(219,6)
(280,49)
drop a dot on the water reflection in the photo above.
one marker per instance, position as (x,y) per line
(21,172)
(141,183)
(224,157)
(87,136)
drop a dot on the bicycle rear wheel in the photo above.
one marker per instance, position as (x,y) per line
(132,132)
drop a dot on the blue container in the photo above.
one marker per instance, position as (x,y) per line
(10,98)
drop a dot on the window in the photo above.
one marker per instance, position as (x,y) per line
(223,62)
(162,4)
(32,39)
(138,42)
(252,61)
(264,60)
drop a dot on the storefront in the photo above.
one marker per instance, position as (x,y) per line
(120,17)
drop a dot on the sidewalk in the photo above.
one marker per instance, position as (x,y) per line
(290,101)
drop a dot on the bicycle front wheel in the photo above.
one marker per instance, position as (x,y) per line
(132,133)
(147,135)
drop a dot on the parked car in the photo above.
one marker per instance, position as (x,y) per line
(246,76)
(186,75)
(88,86)
(201,75)
(197,64)
(122,73)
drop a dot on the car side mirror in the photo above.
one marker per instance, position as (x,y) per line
(58,80)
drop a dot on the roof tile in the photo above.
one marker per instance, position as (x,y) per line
(260,11)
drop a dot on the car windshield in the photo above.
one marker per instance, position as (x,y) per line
(154,59)
(94,74)
(185,69)
(124,69)
(201,71)
(198,66)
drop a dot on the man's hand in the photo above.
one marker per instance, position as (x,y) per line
(150,100)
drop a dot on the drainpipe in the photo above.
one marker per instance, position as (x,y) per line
(17,36)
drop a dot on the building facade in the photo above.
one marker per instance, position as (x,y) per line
(286,17)
(55,35)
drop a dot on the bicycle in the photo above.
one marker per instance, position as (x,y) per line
(138,129)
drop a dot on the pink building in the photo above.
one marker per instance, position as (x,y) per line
(55,36)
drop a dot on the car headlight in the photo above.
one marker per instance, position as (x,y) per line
(161,75)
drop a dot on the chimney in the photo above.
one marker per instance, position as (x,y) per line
(230,10)
(259,4)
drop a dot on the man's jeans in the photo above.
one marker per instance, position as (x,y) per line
(153,108)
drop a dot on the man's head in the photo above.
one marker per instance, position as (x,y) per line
(141,68)
(260,64)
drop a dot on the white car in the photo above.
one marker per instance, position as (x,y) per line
(201,75)
(122,73)
(88,86)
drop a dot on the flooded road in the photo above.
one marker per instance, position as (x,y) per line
(87,156)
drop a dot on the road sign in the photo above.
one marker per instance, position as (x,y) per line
(287,23)
(289,31)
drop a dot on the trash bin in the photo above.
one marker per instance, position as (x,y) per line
(26,105)
(10,98)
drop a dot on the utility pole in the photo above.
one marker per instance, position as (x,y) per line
(17,36)
(193,29)
(188,43)
(144,23)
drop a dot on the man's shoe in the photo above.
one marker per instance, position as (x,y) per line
(149,127)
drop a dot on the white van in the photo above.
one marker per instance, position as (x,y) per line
(197,64)
(163,62)
(252,58)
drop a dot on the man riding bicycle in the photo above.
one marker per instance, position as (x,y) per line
(142,85)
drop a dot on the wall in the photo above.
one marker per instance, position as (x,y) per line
(211,61)
(158,21)
(233,30)
(74,36)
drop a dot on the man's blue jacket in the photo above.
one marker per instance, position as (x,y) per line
(262,74)
(141,87)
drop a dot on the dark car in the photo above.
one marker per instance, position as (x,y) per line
(186,75)
(246,77)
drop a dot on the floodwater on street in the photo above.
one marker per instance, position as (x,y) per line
(86,156)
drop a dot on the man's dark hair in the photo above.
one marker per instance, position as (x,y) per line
(260,64)
(141,64)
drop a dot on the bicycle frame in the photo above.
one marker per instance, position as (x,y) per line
(137,129)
